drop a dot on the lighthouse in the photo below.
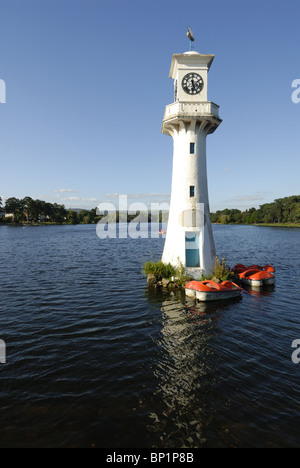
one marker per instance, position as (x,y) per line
(188,120)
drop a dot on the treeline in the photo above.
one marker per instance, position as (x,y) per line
(28,210)
(281,211)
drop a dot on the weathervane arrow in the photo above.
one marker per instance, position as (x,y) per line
(190,35)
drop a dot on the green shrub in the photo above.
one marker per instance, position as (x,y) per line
(167,271)
(159,269)
(180,274)
(221,271)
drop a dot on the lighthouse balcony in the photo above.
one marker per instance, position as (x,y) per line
(191,109)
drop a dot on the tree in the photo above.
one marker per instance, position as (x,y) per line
(224,219)
(47,210)
(27,204)
(83,217)
(14,206)
(72,217)
(59,213)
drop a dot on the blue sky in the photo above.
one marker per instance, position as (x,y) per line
(87,82)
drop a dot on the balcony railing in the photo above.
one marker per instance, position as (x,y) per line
(188,109)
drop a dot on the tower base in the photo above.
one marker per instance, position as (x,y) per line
(195,273)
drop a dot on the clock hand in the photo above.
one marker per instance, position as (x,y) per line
(198,84)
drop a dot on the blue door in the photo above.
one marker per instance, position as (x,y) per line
(192,257)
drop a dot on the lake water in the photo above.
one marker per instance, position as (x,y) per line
(94,359)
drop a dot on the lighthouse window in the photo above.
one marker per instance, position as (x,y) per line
(192,148)
(192,190)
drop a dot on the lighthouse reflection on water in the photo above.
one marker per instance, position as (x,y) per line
(186,371)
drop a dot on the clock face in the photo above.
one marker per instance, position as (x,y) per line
(192,83)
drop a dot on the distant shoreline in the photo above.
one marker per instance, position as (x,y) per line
(282,212)
(280,225)
(285,225)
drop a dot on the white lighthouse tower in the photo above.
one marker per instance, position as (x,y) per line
(189,119)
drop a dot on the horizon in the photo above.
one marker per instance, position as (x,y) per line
(134,207)
(83,107)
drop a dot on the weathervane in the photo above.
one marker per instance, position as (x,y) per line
(190,35)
